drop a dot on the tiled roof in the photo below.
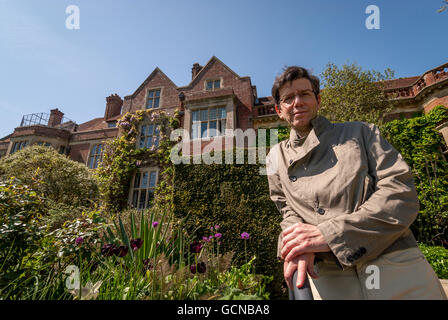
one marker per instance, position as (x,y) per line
(400,83)
(95,124)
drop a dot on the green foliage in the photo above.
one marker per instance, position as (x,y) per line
(238,200)
(51,175)
(20,209)
(352,94)
(420,145)
(438,259)
(122,158)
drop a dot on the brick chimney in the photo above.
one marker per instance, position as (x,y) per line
(195,70)
(113,106)
(55,117)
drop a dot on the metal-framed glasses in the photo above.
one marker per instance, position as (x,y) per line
(288,100)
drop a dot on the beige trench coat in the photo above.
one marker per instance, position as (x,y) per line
(347,180)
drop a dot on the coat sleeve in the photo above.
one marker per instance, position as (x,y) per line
(386,215)
(289,216)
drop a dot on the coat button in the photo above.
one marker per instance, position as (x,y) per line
(290,161)
(320,211)
(293,178)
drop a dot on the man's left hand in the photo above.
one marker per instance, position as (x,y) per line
(301,238)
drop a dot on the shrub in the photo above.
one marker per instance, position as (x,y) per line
(20,234)
(438,259)
(52,175)
(420,145)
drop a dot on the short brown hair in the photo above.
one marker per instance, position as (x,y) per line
(289,75)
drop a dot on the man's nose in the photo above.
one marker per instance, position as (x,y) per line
(298,101)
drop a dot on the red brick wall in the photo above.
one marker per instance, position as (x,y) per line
(169,94)
(79,152)
(242,88)
(437,102)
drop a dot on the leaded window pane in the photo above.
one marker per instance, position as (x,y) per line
(203,129)
(144,184)
(212,129)
(204,115)
(152,179)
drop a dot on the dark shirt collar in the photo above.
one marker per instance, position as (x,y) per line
(319,124)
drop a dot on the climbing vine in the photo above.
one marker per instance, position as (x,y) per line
(122,157)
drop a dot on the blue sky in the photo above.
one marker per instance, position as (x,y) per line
(44,65)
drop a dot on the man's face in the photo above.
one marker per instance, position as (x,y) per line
(298,104)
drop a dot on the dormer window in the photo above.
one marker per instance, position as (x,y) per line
(153,99)
(213,84)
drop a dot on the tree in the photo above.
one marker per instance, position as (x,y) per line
(52,175)
(352,94)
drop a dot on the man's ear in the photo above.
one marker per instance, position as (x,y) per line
(279,113)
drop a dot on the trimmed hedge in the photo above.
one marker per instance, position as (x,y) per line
(235,197)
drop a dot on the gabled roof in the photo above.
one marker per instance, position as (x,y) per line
(204,69)
(149,78)
(93,124)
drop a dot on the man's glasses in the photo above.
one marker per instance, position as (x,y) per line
(304,96)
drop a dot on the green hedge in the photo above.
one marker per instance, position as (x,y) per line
(437,258)
(420,145)
(235,197)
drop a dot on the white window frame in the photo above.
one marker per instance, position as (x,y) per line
(153,98)
(199,121)
(141,189)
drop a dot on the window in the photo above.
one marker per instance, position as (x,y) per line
(43,143)
(96,156)
(111,124)
(153,99)
(208,123)
(213,84)
(149,136)
(18,145)
(142,190)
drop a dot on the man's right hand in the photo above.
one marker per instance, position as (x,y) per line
(302,264)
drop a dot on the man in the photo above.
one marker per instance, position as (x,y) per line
(347,199)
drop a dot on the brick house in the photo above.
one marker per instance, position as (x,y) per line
(216,99)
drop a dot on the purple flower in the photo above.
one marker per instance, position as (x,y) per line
(245,236)
(201,267)
(108,249)
(147,264)
(210,238)
(79,241)
(195,247)
(136,244)
(193,268)
(211,228)
(205,239)
(121,251)
(216,227)
(218,235)
(155,224)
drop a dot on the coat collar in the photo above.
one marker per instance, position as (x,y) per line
(297,151)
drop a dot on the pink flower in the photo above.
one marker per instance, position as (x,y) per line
(79,241)
(218,235)
(155,224)
(245,236)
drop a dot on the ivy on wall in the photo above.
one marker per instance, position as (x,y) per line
(122,158)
